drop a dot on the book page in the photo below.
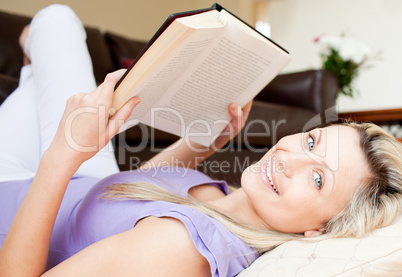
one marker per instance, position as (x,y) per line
(235,67)
(162,51)
(159,82)
(156,85)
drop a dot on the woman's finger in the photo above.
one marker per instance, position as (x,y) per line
(247,108)
(235,110)
(106,89)
(121,116)
(246,112)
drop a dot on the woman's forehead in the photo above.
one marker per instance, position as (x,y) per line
(344,151)
(341,147)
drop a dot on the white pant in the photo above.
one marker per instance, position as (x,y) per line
(29,117)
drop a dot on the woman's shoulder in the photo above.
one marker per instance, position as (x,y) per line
(226,253)
(166,240)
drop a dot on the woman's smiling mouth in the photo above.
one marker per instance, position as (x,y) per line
(266,170)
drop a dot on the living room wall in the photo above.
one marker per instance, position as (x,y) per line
(132,18)
(378,23)
(294,24)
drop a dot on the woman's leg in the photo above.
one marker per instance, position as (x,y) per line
(56,46)
(19,139)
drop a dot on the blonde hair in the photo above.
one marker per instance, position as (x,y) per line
(375,205)
(379,201)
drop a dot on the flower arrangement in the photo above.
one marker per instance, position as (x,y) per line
(345,57)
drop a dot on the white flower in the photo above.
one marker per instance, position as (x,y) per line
(330,42)
(352,50)
(345,57)
(347,48)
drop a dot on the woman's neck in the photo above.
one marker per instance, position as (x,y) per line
(238,205)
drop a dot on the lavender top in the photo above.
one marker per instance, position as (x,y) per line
(84,218)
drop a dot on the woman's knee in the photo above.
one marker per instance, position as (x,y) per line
(58,9)
(58,13)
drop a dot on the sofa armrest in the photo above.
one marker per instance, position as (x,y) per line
(269,122)
(7,86)
(100,54)
(315,90)
(10,52)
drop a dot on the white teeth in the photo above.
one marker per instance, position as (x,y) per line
(270,177)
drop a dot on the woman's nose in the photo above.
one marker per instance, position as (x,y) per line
(289,163)
(292,143)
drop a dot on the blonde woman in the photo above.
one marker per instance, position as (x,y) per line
(343,180)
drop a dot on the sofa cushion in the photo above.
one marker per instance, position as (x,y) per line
(268,122)
(100,55)
(123,49)
(302,89)
(7,85)
(11,56)
(10,52)
(377,254)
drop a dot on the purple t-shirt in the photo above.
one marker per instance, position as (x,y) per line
(85,218)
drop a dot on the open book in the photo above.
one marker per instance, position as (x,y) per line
(194,66)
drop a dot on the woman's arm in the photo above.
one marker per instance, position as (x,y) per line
(85,128)
(155,247)
(189,154)
(25,248)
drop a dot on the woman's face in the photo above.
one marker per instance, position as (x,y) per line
(306,179)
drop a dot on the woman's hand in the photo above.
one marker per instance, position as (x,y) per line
(239,118)
(89,122)
(87,125)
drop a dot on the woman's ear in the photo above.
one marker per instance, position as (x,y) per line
(313,233)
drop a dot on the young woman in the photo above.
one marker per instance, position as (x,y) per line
(338,181)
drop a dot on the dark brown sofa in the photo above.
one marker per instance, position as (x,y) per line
(281,108)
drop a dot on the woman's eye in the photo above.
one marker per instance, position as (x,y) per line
(317,179)
(310,142)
